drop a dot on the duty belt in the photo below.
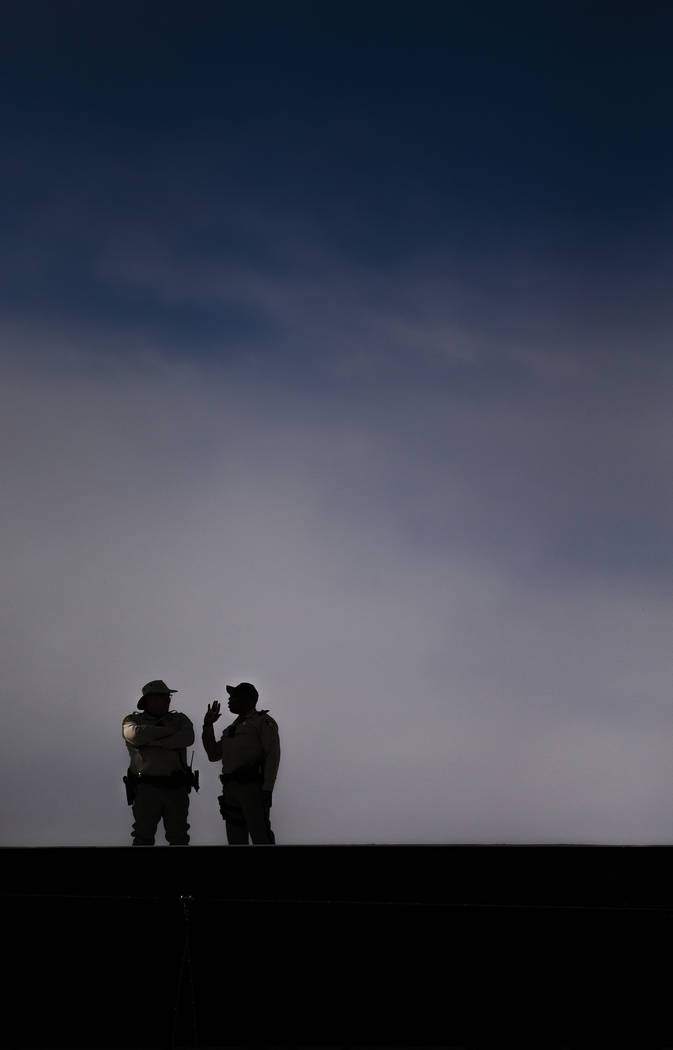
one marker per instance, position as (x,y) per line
(244,775)
(177,779)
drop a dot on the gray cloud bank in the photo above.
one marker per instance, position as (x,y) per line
(453,595)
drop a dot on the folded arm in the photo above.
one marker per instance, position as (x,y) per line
(140,735)
(183,736)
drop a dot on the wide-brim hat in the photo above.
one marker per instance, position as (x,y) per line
(151,689)
(243,689)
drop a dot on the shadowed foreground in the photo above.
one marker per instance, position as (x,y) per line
(368,945)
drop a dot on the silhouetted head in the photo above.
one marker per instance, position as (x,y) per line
(156,697)
(242,697)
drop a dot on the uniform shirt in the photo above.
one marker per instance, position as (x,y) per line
(153,752)
(254,742)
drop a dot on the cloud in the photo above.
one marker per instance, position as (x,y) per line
(448,598)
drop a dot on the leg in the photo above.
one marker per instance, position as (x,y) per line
(256,815)
(176,808)
(146,813)
(237,832)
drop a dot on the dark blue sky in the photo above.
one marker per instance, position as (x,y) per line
(394,130)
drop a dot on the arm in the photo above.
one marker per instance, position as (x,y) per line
(181,736)
(271,748)
(212,746)
(140,735)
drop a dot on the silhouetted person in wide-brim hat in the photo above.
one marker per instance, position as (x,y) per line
(249,750)
(158,779)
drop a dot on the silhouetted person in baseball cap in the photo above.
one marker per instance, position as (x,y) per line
(249,750)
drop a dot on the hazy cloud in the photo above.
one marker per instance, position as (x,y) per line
(453,597)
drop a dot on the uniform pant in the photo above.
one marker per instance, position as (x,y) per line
(245,814)
(153,803)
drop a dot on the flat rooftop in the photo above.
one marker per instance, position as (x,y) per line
(434,945)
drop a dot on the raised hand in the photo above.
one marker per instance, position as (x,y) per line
(212,713)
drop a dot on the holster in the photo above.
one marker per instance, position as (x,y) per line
(223,809)
(130,783)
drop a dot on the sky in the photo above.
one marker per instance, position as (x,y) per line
(336,355)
